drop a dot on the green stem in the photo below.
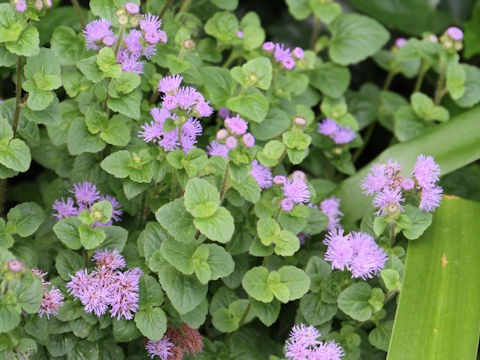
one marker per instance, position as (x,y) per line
(392,234)
(315,33)
(117,47)
(223,190)
(371,127)
(85,256)
(164,9)
(174,184)
(185,6)
(79,13)
(3,187)
(233,55)
(18,95)
(439,90)
(421,76)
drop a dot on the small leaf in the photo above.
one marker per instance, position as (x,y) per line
(152,323)
(218,227)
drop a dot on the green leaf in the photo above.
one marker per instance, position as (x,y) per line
(43,64)
(354,301)
(354,38)
(472,87)
(127,104)
(179,255)
(330,78)
(125,331)
(26,44)
(300,9)
(315,311)
(380,336)
(9,317)
(118,164)
(185,292)
(12,23)
(460,145)
(318,270)
(226,4)
(440,292)
(223,26)
(268,230)
(296,280)
(255,283)
(15,155)
(152,323)
(107,63)
(254,106)
(67,263)
(419,222)
(267,313)
(26,218)
(150,293)
(276,122)
(408,125)
(201,198)
(29,291)
(296,139)
(390,277)
(67,231)
(286,243)
(326,12)
(176,220)
(50,116)
(456,81)
(220,262)
(90,69)
(116,133)
(218,227)
(67,45)
(91,238)
(218,83)
(256,72)
(125,84)
(225,321)
(426,109)
(81,141)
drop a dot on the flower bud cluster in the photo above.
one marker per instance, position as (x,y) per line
(51,300)
(283,56)
(34,5)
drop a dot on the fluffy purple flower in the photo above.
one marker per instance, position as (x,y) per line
(151,24)
(64,208)
(426,171)
(338,133)
(382,176)
(268,46)
(287,204)
(240,34)
(455,33)
(186,97)
(15,266)
(305,335)
(231,142)
(327,351)
(130,62)
(331,208)
(248,140)
(204,109)
(236,125)
(79,284)
(132,8)
(288,63)
(217,149)
(94,33)
(190,130)
(368,258)
(280,52)
(279,180)
(111,260)
(400,42)
(169,140)
(298,174)
(21,6)
(262,174)
(124,301)
(223,112)
(86,193)
(162,348)
(132,42)
(51,301)
(430,198)
(298,53)
(169,84)
(296,190)
(408,184)
(95,299)
(108,40)
(388,201)
(339,251)
(151,132)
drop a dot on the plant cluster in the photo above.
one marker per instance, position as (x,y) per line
(175,185)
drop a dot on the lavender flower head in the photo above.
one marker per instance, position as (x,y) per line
(262,175)
(455,33)
(223,112)
(169,84)
(338,133)
(248,140)
(283,56)
(400,42)
(268,46)
(64,208)
(217,149)
(357,252)
(303,345)
(95,32)
(426,173)
(240,34)
(15,266)
(111,260)
(296,190)
(85,193)
(51,301)
(331,208)
(161,348)
(298,53)
(236,125)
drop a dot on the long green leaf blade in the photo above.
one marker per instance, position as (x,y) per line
(453,144)
(438,314)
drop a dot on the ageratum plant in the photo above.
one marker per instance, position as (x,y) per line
(176,182)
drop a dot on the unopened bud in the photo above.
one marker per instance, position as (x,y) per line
(222,134)
(189,44)
(299,121)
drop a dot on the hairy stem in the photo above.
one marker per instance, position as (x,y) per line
(223,190)
(315,32)
(164,9)
(174,184)
(117,48)
(233,55)
(185,6)
(79,13)
(392,234)
(421,76)
(439,91)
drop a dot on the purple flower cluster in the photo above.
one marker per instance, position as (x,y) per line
(179,103)
(357,252)
(262,174)
(162,348)
(426,173)
(384,181)
(295,190)
(400,42)
(51,300)
(107,286)
(22,5)
(455,33)
(331,208)
(230,137)
(303,345)
(132,46)
(283,56)
(338,133)
(86,195)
